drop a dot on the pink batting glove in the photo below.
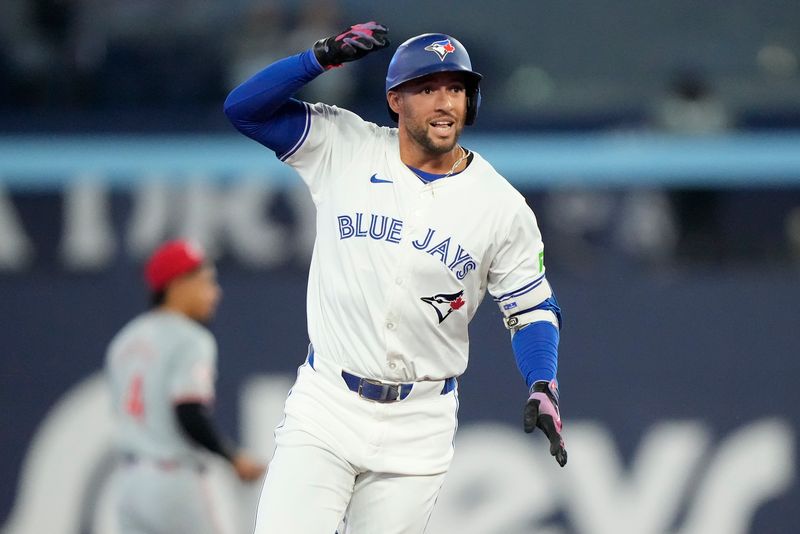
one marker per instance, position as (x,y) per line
(541,411)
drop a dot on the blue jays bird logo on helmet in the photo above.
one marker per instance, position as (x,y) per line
(413,60)
(441,48)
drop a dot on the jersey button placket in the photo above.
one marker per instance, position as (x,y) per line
(397,291)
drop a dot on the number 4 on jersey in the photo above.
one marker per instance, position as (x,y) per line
(134,404)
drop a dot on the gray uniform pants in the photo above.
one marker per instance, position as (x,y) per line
(165,499)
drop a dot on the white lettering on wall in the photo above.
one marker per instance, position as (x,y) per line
(501,480)
(604,496)
(16,250)
(306,225)
(151,215)
(752,466)
(233,217)
(88,241)
(254,239)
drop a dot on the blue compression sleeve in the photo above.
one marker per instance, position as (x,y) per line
(262,108)
(536,351)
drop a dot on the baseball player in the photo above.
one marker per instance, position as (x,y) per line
(162,367)
(412,229)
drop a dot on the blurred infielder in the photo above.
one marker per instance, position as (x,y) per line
(412,229)
(162,368)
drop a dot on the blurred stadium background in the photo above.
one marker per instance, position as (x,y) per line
(658,141)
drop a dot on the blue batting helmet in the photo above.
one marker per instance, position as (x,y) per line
(430,53)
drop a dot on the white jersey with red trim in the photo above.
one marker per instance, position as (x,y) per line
(158,359)
(399,265)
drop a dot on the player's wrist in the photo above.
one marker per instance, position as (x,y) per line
(322,54)
(548,387)
(312,61)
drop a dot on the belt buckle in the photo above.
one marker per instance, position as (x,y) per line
(389,392)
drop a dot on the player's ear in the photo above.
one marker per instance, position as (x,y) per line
(393,98)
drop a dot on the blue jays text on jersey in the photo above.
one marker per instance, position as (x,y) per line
(383,227)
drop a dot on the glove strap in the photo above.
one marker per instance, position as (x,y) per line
(322,51)
(548,388)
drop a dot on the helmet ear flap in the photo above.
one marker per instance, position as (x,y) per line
(473,103)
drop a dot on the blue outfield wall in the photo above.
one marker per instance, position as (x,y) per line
(679,385)
(679,394)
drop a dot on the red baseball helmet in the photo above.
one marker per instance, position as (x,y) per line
(171,260)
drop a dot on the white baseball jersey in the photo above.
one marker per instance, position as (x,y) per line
(159,359)
(400,266)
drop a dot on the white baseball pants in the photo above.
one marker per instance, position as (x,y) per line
(380,466)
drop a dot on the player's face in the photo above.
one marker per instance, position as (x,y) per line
(432,110)
(201,293)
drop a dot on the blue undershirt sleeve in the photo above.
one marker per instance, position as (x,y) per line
(262,108)
(536,351)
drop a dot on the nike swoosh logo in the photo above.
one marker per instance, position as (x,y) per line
(375,180)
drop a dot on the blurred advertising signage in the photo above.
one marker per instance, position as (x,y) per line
(258,224)
(682,480)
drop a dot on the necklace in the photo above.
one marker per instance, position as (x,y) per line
(464,154)
(457,163)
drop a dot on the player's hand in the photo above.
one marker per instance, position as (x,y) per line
(248,469)
(353,43)
(541,411)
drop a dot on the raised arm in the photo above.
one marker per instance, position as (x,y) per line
(262,108)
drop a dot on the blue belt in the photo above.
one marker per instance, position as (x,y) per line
(378,391)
